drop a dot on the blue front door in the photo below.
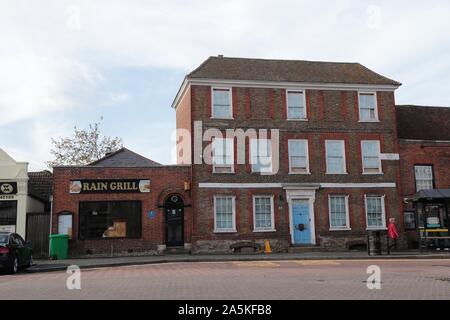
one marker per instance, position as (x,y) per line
(301,222)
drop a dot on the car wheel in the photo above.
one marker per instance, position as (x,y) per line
(15,266)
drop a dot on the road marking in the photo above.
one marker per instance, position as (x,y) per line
(258,264)
(317,262)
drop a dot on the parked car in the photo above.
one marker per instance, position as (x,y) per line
(15,253)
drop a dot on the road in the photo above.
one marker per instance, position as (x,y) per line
(307,279)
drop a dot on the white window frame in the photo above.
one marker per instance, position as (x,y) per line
(233,205)
(415,175)
(232,157)
(380,168)
(374,93)
(230,97)
(347,213)
(303,92)
(344,164)
(306,152)
(383,212)
(251,155)
(272,214)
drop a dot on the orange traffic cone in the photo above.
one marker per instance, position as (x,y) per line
(267,248)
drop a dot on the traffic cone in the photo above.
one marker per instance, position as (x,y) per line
(267,248)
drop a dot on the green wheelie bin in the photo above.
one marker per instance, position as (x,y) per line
(59,246)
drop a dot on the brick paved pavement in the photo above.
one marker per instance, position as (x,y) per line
(303,279)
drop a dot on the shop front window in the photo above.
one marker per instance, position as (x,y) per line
(113,219)
(8,215)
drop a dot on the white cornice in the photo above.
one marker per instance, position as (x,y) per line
(293,185)
(278,85)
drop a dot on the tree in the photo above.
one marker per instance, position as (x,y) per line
(84,147)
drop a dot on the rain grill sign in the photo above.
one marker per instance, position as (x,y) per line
(109,186)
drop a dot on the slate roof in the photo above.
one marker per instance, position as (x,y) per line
(124,158)
(227,68)
(40,185)
(423,123)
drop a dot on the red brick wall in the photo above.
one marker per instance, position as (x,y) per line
(424,153)
(164,181)
(184,123)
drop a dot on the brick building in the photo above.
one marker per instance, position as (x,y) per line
(424,146)
(325,171)
(122,204)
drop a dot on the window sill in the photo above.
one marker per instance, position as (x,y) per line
(376,229)
(297,119)
(373,173)
(336,174)
(369,121)
(224,172)
(304,173)
(216,118)
(225,231)
(264,230)
(340,229)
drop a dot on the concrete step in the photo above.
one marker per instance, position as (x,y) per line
(302,249)
(177,250)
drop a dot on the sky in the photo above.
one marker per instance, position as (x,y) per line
(69,63)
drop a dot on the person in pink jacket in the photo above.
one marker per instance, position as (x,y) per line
(393,232)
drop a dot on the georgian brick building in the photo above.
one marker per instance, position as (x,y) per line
(326,171)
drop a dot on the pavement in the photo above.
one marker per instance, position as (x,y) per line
(188,282)
(83,263)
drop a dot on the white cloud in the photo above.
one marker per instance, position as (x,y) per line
(53,53)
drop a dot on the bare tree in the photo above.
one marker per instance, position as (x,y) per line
(84,147)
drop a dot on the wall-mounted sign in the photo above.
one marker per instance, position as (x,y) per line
(390,156)
(151,214)
(109,186)
(11,229)
(8,188)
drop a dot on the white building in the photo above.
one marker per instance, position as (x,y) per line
(13,194)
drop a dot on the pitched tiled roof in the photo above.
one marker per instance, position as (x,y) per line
(40,185)
(423,123)
(123,158)
(288,71)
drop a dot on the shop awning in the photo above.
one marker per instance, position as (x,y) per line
(434,194)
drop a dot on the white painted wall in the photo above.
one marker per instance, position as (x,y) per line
(11,170)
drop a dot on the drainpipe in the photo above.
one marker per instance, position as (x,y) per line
(51,219)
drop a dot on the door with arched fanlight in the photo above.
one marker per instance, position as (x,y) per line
(174,220)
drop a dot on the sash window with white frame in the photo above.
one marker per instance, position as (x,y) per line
(224,214)
(263,213)
(221,103)
(368,107)
(339,215)
(335,153)
(370,151)
(424,177)
(296,109)
(375,212)
(223,155)
(261,155)
(298,156)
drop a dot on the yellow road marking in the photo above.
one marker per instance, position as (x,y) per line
(258,264)
(317,262)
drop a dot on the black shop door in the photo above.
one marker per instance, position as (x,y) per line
(174,221)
